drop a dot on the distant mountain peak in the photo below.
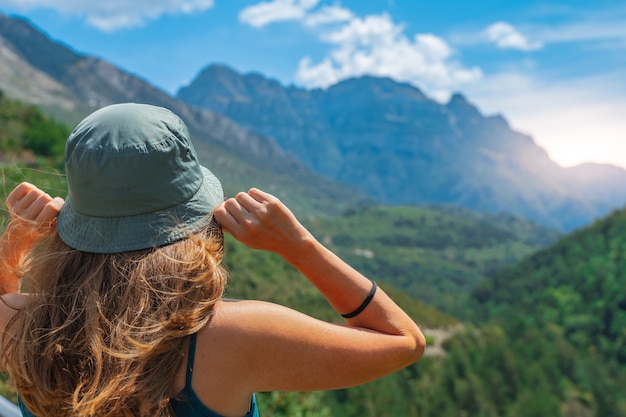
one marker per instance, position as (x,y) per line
(382,85)
(459,105)
(219,80)
(458,99)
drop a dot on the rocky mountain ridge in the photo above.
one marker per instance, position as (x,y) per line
(398,145)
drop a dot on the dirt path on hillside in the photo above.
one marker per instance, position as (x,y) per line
(439,335)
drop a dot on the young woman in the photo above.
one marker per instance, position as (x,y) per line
(123,313)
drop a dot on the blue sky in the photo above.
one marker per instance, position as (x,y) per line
(555,70)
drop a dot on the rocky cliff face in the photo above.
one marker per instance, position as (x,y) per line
(396,144)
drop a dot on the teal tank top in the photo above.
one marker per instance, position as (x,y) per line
(187,404)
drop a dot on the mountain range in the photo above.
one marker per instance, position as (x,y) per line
(363,139)
(396,144)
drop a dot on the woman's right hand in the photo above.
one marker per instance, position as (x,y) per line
(33,212)
(262,221)
(33,217)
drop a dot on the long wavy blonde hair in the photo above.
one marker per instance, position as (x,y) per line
(105,334)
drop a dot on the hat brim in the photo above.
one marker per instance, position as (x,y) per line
(142,231)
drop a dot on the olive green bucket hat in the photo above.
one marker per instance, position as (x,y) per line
(134,181)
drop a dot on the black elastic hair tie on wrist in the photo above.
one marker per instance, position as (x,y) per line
(364,304)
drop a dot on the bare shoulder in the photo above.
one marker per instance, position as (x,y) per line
(238,332)
(232,314)
(237,321)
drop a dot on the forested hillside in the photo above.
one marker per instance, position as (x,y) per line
(436,254)
(576,288)
(31,147)
(25,132)
(563,317)
(544,337)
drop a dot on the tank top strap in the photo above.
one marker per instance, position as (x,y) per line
(191,355)
(188,404)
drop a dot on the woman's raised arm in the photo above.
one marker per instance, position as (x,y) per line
(291,351)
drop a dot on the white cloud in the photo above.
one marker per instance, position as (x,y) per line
(505,36)
(607,25)
(589,24)
(375,45)
(328,14)
(264,13)
(372,45)
(583,31)
(111,15)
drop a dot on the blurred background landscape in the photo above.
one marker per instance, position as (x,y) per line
(379,126)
